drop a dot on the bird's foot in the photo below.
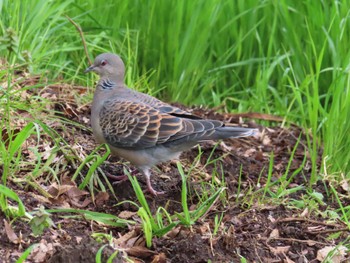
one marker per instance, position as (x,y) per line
(151,190)
(154,192)
(120,178)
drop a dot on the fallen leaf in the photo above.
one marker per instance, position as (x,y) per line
(136,241)
(40,198)
(56,190)
(47,152)
(249,152)
(279,250)
(334,254)
(160,258)
(75,192)
(271,218)
(126,214)
(305,212)
(204,228)
(78,239)
(274,233)
(345,185)
(266,140)
(173,233)
(11,235)
(141,252)
(163,176)
(86,120)
(310,242)
(41,252)
(76,202)
(101,198)
(225,147)
(279,166)
(122,241)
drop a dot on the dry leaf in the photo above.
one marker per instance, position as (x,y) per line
(271,218)
(135,241)
(163,176)
(225,147)
(249,152)
(274,233)
(279,250)
(266,140)
(160,258)
(47,152)
(310,242)
(337,254)
(78,239)
(126,214)
(345,185)
(41,252)
(101,198)
(11,235)
(77,203)
(86,120)
(40,198)
(203,229)
(56,190)
(305,212)
(279,166)
(141,252)
(174,232)
(75,192)
(122,241)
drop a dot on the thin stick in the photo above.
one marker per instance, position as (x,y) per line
(293,219)
(292,240)
(82,37)
(344,229)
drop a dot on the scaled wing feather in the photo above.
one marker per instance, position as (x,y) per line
(129,124)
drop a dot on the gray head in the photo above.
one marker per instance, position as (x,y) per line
(109,66)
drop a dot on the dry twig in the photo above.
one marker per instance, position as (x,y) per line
(82,38)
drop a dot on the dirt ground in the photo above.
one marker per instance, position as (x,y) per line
(256,225)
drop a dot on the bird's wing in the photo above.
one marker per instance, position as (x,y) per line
(129,124)
(160,105)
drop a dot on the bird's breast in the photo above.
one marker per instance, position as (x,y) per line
(95,119)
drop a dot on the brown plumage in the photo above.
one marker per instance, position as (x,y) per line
(141,128)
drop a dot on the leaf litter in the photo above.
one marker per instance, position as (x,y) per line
(252,227)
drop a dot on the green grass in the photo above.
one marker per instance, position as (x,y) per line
(289,58)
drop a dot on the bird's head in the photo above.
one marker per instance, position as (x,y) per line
(109,66)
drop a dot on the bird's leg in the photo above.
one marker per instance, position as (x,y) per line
(147,173)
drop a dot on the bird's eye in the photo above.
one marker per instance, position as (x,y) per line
(103,62)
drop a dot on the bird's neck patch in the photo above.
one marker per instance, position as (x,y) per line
(106,84)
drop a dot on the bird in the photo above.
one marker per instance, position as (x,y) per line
(143,129)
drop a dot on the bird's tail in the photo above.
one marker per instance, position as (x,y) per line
(197,131)
(231,132)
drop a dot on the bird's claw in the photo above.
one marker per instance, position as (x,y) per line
(153,192)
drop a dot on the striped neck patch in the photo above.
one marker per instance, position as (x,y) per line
(107,84)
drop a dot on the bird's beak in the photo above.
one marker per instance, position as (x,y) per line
(89,69)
